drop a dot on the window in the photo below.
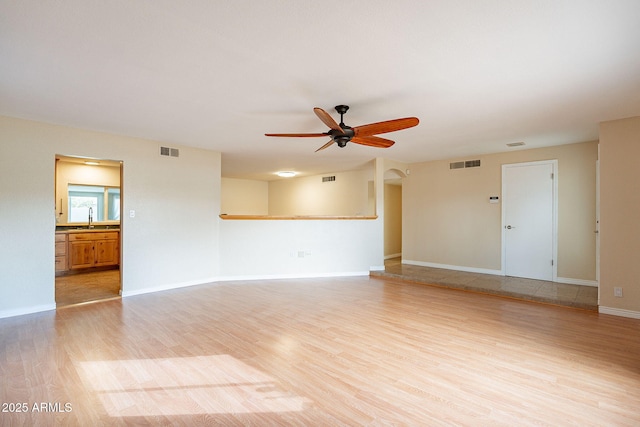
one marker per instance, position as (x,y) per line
(102,202)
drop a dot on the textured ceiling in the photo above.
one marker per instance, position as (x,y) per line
(220,74)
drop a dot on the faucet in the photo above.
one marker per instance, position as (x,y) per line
(90,216)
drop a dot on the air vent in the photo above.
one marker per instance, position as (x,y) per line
(465,164)
(515,144)
(328,178)
(172,152)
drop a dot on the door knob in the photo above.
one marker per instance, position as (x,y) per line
(508,227)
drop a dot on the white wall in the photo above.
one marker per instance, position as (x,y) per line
(258,249)
(172,241)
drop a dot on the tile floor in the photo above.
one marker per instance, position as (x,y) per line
(584,297)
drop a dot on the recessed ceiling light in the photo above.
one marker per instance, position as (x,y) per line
(286,174)
(92,163)
(515,144)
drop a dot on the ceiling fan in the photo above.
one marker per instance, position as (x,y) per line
(364,135)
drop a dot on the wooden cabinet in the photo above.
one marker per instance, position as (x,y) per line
(106,252)
(61,252)
(94,249)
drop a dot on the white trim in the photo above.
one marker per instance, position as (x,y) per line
(454,267)
(376,268)
(291,276)
(167,287)
(27,310)
(554,250)
(393,256)
(619,312)
(214,280)
(581,282)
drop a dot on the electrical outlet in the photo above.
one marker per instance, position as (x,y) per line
(617,292)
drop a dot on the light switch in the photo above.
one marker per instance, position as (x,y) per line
(132,213)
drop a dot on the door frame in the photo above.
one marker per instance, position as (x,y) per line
(120,234)
(554,250)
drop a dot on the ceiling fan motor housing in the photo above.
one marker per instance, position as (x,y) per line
(342,138)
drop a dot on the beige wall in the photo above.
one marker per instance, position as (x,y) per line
(392,220)
(347,195)
(172,241)
(619,213)
(244,197)
(448,219)
(78,173)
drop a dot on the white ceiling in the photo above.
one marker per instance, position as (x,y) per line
(219,74)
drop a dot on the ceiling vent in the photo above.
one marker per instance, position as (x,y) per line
(328,178)
(170,152)
(465,164)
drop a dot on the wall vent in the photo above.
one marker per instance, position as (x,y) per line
(465,164)
(328,178)
(167,151)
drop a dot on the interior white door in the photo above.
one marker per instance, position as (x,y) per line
(528,219)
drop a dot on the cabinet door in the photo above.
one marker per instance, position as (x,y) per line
(106,252)
(81,254)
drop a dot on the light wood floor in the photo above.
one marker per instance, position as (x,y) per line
(321,352)
(87,287)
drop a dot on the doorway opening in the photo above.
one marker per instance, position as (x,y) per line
(88,206)
(393,216)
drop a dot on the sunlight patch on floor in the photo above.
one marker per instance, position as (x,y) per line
(185,385)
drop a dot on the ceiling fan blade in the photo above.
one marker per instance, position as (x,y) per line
(384,127)
(373,141)
(297,135)
(327,119)
(328,144)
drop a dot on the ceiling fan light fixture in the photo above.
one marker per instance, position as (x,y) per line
(286,174)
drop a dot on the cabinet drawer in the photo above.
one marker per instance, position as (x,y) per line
(61,248)
(73,237)
(61,237)
(61,263)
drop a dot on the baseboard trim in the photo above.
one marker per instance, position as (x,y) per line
(291,276)
(393,256)
(220,279)
(168,287)
(27,310)
(454,267)
(619,312)
(581,282)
